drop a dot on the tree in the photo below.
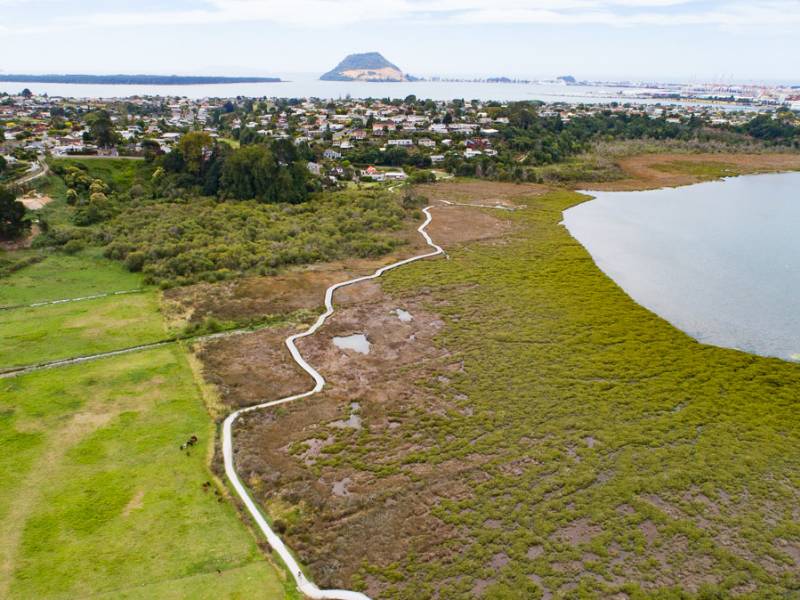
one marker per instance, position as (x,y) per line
(248,173)
(3,164)
(211,180)
(151,149)
(12,215)
(26,93)
(254,172)
(101,129)
(195,147)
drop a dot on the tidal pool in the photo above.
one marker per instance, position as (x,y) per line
(719,260)
(403,315)
(357,342)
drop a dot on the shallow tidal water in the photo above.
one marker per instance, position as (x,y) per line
(719,260)
(357,342)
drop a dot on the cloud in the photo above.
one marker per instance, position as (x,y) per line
(338,13)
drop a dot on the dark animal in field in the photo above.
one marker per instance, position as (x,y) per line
(190,442)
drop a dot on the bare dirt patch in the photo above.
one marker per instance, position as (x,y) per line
(649,530)
(578,532)
(136,502)
(459,224)
(35,200)
(651,171)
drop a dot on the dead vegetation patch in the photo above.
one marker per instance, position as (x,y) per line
(651,171)
(578,532)
(478,192)
(252,368)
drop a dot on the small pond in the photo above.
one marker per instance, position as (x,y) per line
(357,342)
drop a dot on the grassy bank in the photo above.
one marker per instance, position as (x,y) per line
(598,449)
(119,173)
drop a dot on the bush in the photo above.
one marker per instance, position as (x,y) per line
(175,243)
(422,177)
(135,261)
(279,526)
(74,246)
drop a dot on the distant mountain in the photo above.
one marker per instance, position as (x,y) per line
(135,79)
(567,79)
(370,66)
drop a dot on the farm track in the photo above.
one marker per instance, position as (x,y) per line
(68,300)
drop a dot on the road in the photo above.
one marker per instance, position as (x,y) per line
(304,585)
(43,170)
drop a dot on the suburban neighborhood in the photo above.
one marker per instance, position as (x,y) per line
(348,140)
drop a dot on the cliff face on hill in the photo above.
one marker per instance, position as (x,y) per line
(371,66)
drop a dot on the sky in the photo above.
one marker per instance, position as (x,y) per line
(652,40)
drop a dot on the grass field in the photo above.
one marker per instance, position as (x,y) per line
(98,498)
(45,333)
(61,276)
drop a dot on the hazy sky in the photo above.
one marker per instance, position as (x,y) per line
(658,39)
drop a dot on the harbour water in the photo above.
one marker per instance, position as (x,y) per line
(305,85)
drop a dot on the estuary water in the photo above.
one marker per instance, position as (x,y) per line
(720,260)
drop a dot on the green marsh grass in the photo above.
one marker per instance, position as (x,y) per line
(676,462)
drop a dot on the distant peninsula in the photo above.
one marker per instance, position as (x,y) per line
(135,79)
(370,66)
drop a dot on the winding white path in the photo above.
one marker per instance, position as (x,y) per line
(304,585)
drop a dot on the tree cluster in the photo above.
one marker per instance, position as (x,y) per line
(270,174)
